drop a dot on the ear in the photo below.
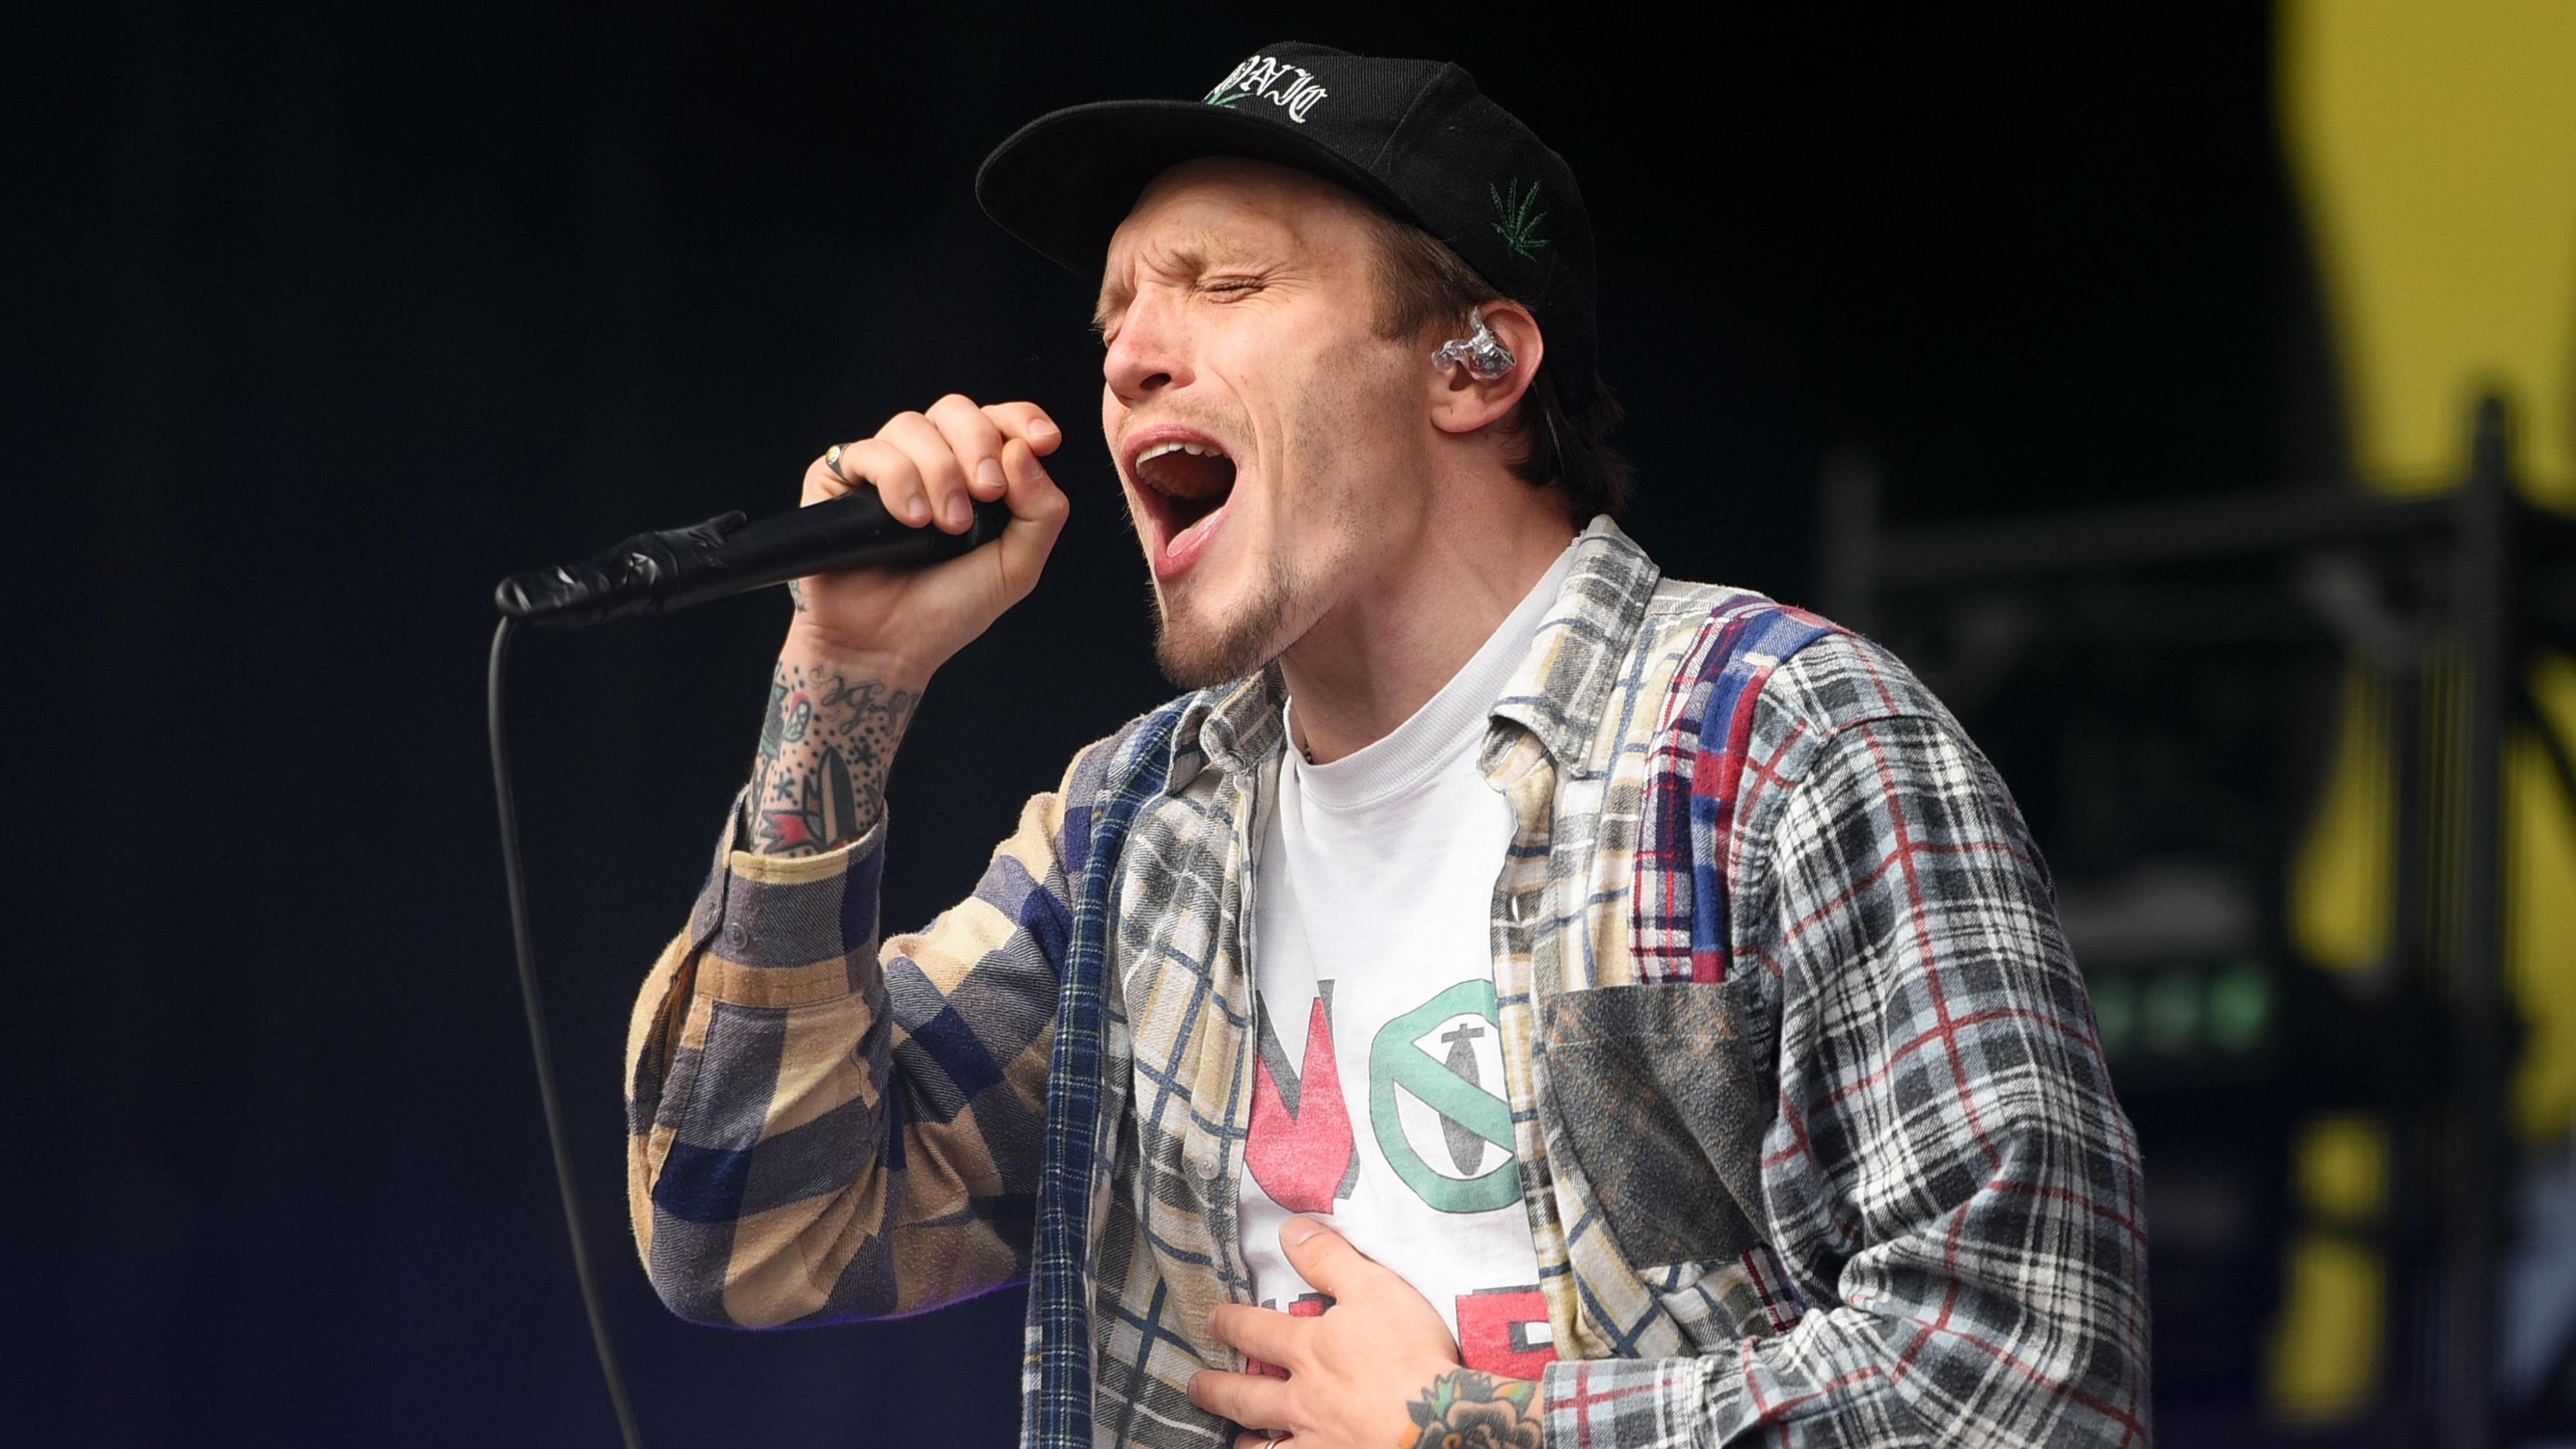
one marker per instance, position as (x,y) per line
(1461,403)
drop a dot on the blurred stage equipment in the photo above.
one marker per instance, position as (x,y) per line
(2431,151)
(2143,672)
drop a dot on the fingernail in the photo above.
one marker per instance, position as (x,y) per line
(1033,470)
(959,510)
(1298,1230)
(1041,428)
(989,472)
(917,511)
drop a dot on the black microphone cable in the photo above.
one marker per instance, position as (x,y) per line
(524,937)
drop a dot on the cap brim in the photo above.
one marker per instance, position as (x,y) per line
(1064,181)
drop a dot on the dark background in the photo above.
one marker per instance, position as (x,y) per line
(319,321)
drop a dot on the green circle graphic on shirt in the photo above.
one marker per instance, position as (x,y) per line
(1396,1059)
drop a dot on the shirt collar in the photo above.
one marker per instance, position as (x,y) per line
(1572,665)
(1555,692)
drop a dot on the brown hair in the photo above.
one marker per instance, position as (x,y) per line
(1425,285)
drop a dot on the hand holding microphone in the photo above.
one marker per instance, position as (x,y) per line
(931,469)
(866,639)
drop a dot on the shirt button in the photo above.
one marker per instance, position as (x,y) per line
(737,937)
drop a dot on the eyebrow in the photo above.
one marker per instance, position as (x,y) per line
(1191,255)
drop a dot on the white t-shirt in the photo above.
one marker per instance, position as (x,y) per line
(1378,1101)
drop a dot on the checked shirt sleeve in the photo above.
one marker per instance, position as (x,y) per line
(1948,1181)
(823,1128)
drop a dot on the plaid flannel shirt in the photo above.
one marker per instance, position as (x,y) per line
(1868,1186)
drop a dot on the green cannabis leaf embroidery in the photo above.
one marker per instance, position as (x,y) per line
(1227,101)
(1517,219)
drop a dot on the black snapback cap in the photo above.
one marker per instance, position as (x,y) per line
(1414,136)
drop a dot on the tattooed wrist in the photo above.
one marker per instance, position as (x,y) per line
(818,782)
(1464,1409)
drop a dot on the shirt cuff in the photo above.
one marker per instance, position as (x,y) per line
(791,930)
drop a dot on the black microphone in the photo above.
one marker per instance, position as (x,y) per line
(654,573)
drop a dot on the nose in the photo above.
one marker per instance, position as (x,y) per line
(1147,355)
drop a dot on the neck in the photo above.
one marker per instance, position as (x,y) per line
(1404,631)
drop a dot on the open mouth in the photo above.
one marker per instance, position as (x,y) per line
(1183,483)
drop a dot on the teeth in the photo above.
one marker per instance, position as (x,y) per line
(1192,449)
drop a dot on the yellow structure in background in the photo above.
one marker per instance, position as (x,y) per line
(2433,144)
(2326,1353)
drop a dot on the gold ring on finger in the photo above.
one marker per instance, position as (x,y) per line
(832,460)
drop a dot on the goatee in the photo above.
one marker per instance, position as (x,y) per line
(1195,657)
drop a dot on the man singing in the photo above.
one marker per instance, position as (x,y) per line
(1514,998)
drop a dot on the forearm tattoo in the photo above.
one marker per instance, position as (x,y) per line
(819,782)
(1464,1409)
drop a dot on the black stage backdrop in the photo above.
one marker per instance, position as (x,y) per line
(319,322)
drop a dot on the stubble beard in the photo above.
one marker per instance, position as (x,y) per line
(1197,655)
